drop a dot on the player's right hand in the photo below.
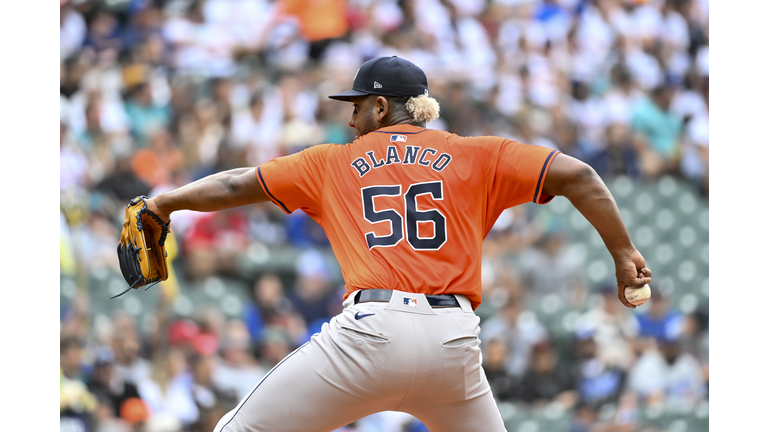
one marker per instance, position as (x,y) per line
(631,271)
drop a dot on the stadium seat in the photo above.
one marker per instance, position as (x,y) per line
(662,254)
(687,236)
(665,220)
(213,287)
(688,303)
(704,288)
(97,280)
(621,187)
(559,205)
(645,205)
(578,222)
(703,219)
(259,258)
(667,187)
(703,252)
(554,418)
(628,215)
(550,305)
(530,425)
(598,272)
(183,306)
(687,271)
(689,204)
(231,305)
(698,419)
(565,324)
(693,419)
(131,304)
(513,415)
(508,410)
(67,288)
(643,236)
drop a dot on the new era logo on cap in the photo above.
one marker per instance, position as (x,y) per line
(376,85)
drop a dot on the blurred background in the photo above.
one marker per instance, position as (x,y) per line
(157,93)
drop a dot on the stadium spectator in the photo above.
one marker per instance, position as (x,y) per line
(159,160)
(563,277)
(78,409)
(72,29)
(135,413)
(667,376)
(205,391)
(129,364)
(597,383)
(615,329)
(660,318)
(274,346)
(694,335)
(71,358)
(213,242)
(120,183)
(547,379)
(312,295)
(619,157)
(320,22)
(520,333)
(108,387)
(660,130)
(145,115)
(237,370)
(165,390)
(504,386)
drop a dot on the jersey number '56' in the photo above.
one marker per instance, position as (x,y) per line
(413,216)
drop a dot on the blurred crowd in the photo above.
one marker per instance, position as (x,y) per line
(157,93)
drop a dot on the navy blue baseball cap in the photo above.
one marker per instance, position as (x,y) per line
(387,76)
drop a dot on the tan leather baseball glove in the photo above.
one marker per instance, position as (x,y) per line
(141,251)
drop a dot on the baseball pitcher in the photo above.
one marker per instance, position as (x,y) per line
(406,210)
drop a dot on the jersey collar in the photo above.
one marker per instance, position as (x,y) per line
(405,129)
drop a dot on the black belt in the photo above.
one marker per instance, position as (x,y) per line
(383,295)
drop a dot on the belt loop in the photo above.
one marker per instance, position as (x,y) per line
(466,305)
(352,299)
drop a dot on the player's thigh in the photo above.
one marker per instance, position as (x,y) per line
(305,392)
(480,414)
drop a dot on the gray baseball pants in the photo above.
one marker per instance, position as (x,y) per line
(402,355)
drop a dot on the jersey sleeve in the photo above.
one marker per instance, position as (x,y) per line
(296,181)
(516,173)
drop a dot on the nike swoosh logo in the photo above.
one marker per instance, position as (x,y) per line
(359,315)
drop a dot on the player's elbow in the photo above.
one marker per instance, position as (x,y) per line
(583,182)
(570,177)
(230,183)
(585,174)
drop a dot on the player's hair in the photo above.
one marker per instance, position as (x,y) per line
(423,108)
(420,108)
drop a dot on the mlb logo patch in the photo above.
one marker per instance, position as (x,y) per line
(398,138)
(412,302)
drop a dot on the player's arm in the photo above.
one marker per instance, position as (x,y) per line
(223,190)
(577,181)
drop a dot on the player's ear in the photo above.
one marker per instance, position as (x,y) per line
(382,108)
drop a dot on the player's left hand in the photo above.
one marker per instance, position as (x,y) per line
(631,271)
(141,250)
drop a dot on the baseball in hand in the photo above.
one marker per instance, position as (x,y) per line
(637,296)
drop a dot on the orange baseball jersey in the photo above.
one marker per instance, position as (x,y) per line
(407,208)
